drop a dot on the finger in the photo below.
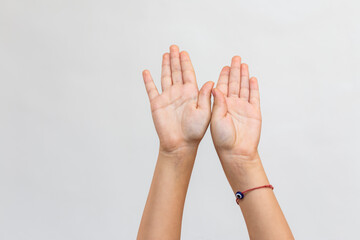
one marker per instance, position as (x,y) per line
(234,79)
(187,69)
(244,83)
(175,65)
(254,91)
(165,72)
(150,85)
(220,107)
(204,101)
(223,81)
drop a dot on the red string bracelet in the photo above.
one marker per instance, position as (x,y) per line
(240,195)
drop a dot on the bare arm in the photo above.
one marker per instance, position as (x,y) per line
(181,115)
(164,207)
(235,128)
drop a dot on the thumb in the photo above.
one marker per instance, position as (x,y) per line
(220,106)
(204,100)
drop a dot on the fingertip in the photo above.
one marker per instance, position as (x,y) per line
(225,69)
(166,58)
(254,83)
(207,88)
(210,87)
(145,72)
(184,55)
(244,67)
(210,83)
(204,100)
(219,109)
(174,47)
(213,92)
(146,76)
(165,55)
(254,91)
(236,58)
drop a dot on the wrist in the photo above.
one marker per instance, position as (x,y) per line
(179,150)
(180,157)
(244,173)
(233,156)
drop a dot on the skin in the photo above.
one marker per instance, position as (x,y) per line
(181,115)
(235,129)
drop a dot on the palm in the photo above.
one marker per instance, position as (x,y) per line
(177,118)
(240,128)
(236,125)
(180,113)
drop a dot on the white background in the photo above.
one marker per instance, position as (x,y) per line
(77,142)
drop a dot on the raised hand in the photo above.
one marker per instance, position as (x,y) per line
(235,129)
(181,113)
(236,117)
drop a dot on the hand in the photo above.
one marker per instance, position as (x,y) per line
(236,116)
(181,113)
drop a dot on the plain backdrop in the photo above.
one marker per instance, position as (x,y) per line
(77,142)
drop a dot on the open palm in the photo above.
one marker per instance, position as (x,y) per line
(236,117)
(181,113)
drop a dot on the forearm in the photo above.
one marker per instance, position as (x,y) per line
(262,213)
(164,207)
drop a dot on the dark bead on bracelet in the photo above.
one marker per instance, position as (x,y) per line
(239,195)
